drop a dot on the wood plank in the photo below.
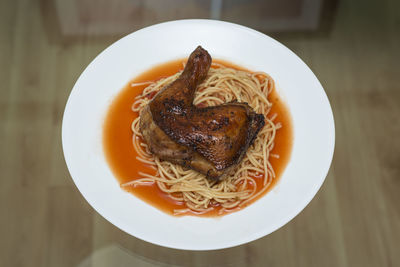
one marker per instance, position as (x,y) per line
(69,222)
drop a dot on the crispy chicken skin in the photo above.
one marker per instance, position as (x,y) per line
(209,140)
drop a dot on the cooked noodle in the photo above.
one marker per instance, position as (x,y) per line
(221,85)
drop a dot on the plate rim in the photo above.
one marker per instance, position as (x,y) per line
(257,234)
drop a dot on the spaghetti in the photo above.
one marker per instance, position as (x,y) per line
(238,188)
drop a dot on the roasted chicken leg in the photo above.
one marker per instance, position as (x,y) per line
(209,140)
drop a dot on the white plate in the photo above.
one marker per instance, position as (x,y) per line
(106,75)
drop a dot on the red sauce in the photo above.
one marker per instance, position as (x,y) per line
(121,156)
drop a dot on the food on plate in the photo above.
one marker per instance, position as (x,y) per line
(206,138)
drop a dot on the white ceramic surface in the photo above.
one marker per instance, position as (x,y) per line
(106,75)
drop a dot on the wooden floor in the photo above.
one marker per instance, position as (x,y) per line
(353,221)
